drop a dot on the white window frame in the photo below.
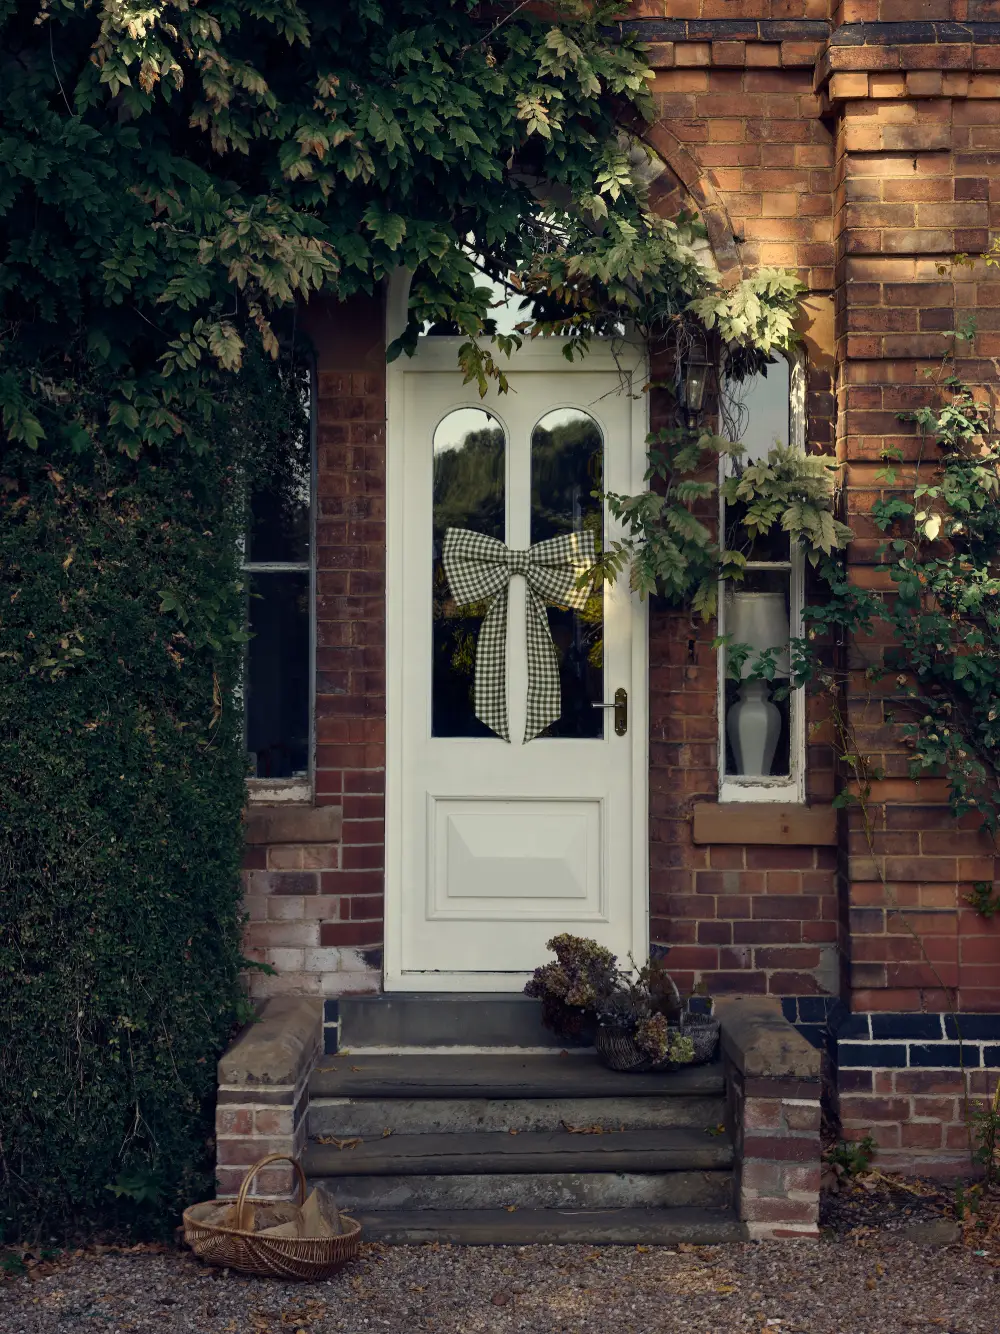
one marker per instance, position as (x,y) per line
(272,791)
(790,788)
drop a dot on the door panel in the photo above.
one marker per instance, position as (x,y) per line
(496,846)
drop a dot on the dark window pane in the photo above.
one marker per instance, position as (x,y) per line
(277,685)
(280,503)
(758,724)
(567,467)
(469,489)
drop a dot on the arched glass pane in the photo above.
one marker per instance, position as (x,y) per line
(764,401)
(469,492)
(567,467)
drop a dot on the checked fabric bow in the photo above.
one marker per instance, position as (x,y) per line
(479,568)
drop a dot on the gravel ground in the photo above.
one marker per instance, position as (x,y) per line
(868,1283)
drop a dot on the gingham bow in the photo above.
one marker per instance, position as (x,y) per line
(479,567)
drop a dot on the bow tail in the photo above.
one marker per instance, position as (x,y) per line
(490,691)
(544,694)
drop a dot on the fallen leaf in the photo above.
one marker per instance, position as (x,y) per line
(387,1132)
(643,1250)
(582,1130)
(511,1208)
(340,1143)
(511,1132)
(870,1284)
(356,1069)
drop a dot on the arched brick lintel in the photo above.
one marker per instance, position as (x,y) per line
(701,190)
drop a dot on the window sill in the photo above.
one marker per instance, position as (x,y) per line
(279,791)
(752,822)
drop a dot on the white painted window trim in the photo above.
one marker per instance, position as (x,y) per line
(295,791)
(781,788)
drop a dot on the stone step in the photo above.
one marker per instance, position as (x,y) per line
(494,1152)
(441,1019)
(369,1117)
(507,1076)
(559,1227)
(533,1190)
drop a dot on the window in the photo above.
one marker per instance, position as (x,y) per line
(278,561)
(761,734)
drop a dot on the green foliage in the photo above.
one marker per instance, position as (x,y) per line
(794,491)
(941,521)
(985,899)
(671,546)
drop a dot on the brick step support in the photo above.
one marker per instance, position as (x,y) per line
(263,1095)
(773,1114)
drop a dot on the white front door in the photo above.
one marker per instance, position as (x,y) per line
(495,846)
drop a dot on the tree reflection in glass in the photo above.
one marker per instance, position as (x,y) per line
(469,492)
(567,467)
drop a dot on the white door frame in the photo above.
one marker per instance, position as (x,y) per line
(541,354)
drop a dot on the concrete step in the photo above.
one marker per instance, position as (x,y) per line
(369,1117)
(494,1152)
(524,1227)
(442,1019)
(505,1076)
(533,1190)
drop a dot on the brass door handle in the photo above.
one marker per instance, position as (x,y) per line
(620,706)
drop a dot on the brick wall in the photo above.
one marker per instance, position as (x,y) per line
(902,1081)
(915,183)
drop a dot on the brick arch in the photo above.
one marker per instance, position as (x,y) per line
(684,184)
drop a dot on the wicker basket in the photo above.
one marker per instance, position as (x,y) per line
(618,1050)
(308,1258)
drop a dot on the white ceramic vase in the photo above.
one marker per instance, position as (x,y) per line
(753,727)
(753,724)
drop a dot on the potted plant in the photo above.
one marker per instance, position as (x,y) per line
(646,1026)
(575,987)
(636,1019)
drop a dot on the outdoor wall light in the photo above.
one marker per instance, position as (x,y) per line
(696,368)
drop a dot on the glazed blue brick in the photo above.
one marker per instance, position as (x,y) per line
(814,1009)
(991,1058)
(790,1008)
(331,1011)
(943,1053)
(906,1026)
(875,1054)
(974,1027)
(816,1034)
(853,1026)
(700,1005)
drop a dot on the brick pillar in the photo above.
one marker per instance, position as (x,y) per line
(914,188)
(263,1096)
(350,623)
(773,1114)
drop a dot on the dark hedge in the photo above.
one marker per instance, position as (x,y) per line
(120,831)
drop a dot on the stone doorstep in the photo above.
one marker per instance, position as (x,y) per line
(767,1060)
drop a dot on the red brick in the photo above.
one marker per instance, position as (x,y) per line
(351,933)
